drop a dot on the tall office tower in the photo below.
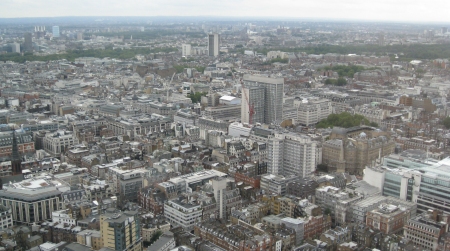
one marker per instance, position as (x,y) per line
(291,154)
(219,186)
(381,39)
(186,50)
(55,31)
(28,44)
(444,30)
(213,44)
(121,230)
(265,96)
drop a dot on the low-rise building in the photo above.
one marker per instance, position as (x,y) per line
(165,242)
(90,238)
(148,230)
(6,220)
(426,229)
(388,218)
(28,195)
(182,212)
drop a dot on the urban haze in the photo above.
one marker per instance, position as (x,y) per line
(224,125)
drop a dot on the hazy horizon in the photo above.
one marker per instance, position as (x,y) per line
(433,11)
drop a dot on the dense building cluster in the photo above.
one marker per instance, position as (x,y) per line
(221,137)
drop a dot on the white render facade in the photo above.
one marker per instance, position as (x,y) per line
(291,154)
(312,111)
(182,213)
(59,142)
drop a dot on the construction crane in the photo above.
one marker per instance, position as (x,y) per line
(251,107)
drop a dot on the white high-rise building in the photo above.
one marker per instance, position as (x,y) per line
(291,154)
(213,44)
(219,186)
(15,47)
(55,31)
(186,50)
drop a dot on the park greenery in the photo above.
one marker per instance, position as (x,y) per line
(345,70)
(345,120)
(446,122)
(148,34)
(153,238)
(278,60)
(71,55)
(180,68)
(196,97)
(404,52)
(339,82)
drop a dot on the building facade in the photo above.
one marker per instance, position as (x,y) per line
(266,96)
(32,200)
(291,154)
(213,44)
(121,230)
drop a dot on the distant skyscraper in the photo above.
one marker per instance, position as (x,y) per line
(213,44)
(186,50)
(80,36)
(28,44)
(15,47)
(55,30)
(444,30)
(266,96)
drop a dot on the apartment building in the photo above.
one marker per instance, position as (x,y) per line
(291,154)
(425,230)
(121,230)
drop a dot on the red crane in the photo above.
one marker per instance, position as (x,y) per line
(251,107)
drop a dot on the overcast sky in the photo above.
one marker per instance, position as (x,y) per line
(385,10)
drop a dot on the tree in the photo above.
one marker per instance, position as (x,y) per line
(446,122)
(327,211)
(373,124)
(322,168)
(341,81)
(197,97)
(344,119)
(155,236)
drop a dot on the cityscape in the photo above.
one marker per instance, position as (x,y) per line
(216,133)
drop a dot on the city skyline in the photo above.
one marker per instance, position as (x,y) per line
(403,11)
